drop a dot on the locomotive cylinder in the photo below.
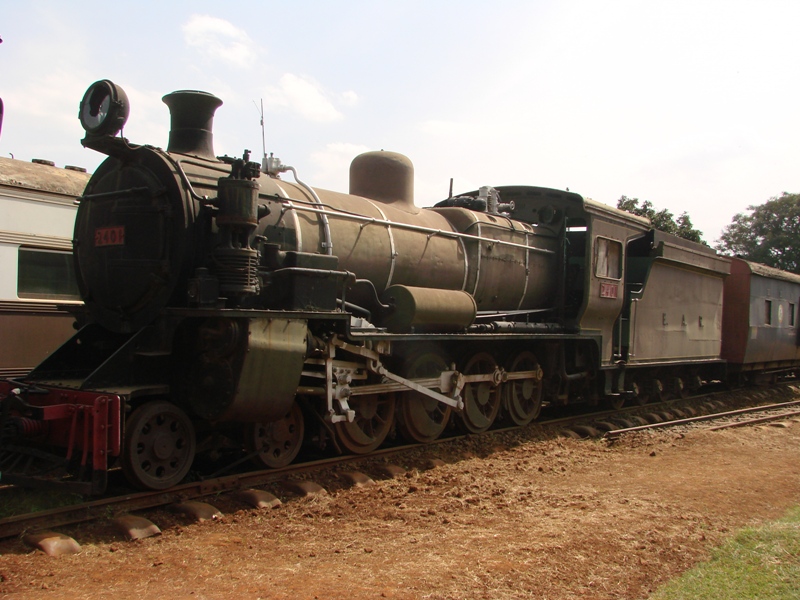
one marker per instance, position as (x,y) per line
(424,308)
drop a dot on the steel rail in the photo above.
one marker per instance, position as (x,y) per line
(87,511)
(766,419)
(617,432)
(117,505)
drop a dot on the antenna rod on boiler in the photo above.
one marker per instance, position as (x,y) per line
(263,136)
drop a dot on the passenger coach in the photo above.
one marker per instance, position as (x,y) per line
(37,216)
(760,335)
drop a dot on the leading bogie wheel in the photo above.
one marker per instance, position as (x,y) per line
(421,418)
(276,444)
(373,422)
(481,398)
(158,447)
(522,398)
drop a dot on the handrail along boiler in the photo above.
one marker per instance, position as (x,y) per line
(235,313)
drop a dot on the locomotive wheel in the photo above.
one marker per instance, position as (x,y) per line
(616,402)
(679,387)
(421,418)
(482,398)
(374,420)
(276,443)
(159,446)
(657,391)
(522,398)
(642,397)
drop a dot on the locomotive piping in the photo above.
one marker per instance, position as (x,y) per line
(326,227)
(392,249)
(527,271)
(273,166)
(293,204)
(477,261)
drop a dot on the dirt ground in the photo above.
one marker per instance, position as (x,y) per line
(507,516)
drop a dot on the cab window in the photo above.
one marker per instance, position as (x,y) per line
(608,258)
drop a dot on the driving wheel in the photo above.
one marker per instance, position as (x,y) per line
(373,422)
(523,397)
(421,418)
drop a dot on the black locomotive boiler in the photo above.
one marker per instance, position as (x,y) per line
(231,311)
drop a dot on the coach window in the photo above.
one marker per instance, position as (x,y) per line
(46,275)
(768,312)
(608,258)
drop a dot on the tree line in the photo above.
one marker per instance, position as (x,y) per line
(767,233)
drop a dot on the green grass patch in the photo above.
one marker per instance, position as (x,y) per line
(16,501)
(762,563)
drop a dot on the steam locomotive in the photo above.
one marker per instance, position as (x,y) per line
(229,310)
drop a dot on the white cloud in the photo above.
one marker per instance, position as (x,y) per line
(332,165)
(219,39)
(41,116)
(349,98)
(442,128)
(305,97)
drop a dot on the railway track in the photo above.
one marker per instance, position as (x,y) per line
(728,419)
(672,415)
(298,480)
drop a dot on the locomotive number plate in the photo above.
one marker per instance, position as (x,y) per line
(109,236)
(608,290)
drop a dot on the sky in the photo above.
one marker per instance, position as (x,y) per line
(692,105)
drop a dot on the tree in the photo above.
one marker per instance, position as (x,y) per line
(663,220)
(769,234)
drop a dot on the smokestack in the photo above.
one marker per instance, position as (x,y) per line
(192,119)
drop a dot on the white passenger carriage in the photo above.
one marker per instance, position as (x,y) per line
(37,217)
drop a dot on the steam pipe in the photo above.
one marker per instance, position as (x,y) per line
(272,166)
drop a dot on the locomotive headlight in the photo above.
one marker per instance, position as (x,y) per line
(104,108)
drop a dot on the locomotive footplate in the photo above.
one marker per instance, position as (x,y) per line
(85,425)
(34,469)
